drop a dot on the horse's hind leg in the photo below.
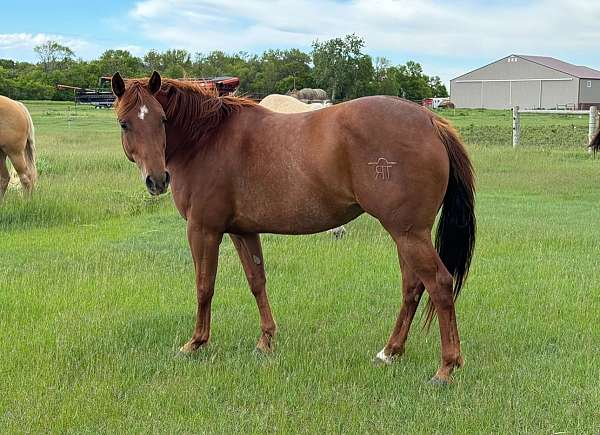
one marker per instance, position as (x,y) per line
(20,164)
(412,290)
(417,251)
(4,175)
(250,252)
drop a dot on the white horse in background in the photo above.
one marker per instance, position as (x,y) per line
(286,104)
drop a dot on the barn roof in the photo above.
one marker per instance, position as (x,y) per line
(582,72)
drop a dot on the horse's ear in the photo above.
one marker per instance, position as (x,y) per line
(118,85)
(154,83)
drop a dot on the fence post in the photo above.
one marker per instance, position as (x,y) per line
(593,124)
(516,131)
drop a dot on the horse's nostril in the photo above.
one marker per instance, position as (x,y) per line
(149,182)
(167,178)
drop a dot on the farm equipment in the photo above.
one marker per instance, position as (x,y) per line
(103,96)
(225,85)
(95,97)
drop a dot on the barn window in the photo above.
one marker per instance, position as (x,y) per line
(589,83)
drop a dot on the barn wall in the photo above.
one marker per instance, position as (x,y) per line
(526,95)
(496,95)
(467,95)
(559,94)
(589,95)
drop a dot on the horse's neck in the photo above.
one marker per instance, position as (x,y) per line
(178,145)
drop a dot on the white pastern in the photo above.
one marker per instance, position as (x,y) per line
(143,111)
(383,357)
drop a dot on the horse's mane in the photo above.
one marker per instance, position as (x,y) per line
(190,107)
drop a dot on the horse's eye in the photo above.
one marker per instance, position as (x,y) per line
(164,120)
(123,125)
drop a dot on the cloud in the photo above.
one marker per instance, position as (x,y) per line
(430,27)
(446,37)
(136,50)
(12,43)
(29,40)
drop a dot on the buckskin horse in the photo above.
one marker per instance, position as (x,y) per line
(17,142)
(235,167)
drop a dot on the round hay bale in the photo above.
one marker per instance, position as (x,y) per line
(306,94)
(320,94)
(311,94)
(286,104)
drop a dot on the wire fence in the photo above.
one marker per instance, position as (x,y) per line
(485,127)
(532,135)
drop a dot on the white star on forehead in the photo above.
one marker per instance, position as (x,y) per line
(143,111)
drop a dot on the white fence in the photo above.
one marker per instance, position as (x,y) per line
(516,112)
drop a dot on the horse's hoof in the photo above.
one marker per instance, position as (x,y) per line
(189,348)
(382,359)
(260,352)
(263,348)
(439,382)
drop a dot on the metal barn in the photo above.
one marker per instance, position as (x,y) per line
(530,82)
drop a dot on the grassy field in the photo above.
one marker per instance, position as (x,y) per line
(97,294)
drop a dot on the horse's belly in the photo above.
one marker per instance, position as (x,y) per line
(299,218)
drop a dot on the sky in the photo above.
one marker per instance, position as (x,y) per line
(448,38)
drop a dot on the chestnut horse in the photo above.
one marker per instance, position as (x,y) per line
(17,142)
(238,168)
(286,104)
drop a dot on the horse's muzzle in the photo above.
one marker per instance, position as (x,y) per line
(158,184)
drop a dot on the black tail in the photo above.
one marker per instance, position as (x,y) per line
(455,234)
(595,143)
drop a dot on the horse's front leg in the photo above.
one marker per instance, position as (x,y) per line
(204,245)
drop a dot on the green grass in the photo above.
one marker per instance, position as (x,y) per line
(97,295)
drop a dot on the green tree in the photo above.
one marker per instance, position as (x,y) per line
(438,89)
(153,61)
(339,63)
(171,63)
(52,54)
(123,61)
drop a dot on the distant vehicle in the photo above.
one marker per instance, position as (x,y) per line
(102,97)
(434,103)
(446,104)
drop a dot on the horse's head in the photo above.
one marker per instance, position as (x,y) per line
(142,120)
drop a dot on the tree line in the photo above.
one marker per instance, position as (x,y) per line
(338,65)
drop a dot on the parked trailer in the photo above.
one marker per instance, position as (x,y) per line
(99,98)
(104,98)
(225,85)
